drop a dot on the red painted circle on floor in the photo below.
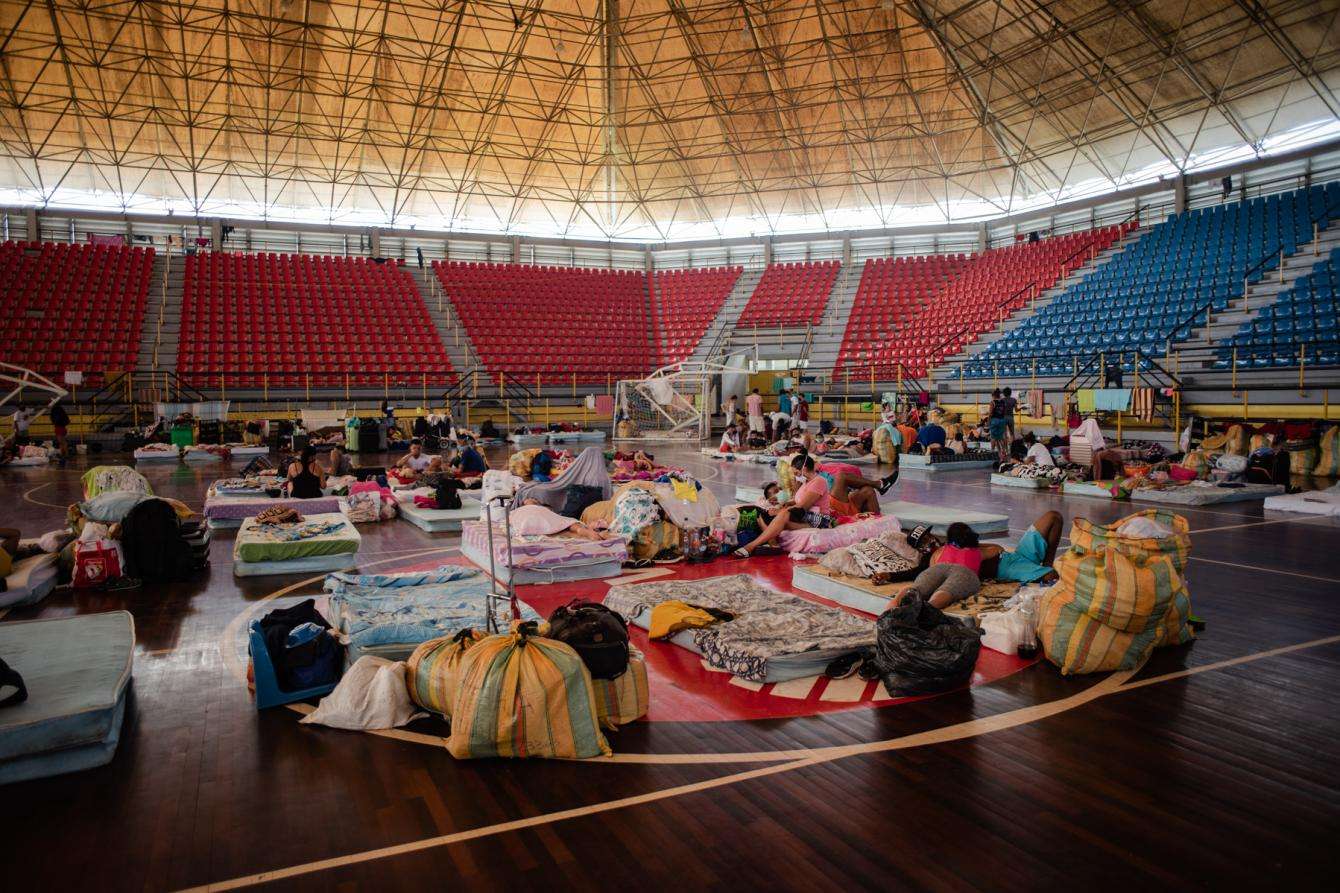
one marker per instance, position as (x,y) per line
(684,689)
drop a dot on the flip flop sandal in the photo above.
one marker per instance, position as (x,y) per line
(844,666)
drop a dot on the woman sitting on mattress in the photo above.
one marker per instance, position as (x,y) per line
(306,476)
(822,493)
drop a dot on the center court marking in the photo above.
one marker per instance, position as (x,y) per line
(1114,683)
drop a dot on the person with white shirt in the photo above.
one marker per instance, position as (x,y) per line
(416,460)
(754,409)
(1037,453)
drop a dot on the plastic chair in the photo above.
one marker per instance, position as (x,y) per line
(268,692)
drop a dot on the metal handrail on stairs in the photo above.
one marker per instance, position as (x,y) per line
(162,304)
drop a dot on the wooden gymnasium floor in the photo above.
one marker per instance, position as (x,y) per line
(1213,766)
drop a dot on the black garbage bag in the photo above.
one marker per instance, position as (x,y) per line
(918,649)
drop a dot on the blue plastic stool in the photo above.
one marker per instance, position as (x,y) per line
(268,692)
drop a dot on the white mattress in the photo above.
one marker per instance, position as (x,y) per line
(28,462)
(315,564)
(438,520)
(805,579)
(29,581)
(748,494)
(156,456)
(1079,488)
(1316,502)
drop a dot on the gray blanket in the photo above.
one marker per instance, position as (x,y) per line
(587,469)
(768,624)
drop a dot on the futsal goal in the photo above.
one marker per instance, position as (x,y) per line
(676,402)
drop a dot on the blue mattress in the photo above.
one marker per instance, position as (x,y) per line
(389,615)
(77,671)
(913,514)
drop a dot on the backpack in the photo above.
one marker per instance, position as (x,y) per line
(446,495)
(152,539)
(597,634)
(579,497)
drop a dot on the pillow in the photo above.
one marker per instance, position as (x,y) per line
(110,507)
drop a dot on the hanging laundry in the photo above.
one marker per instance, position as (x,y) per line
(1142,400)
(1036,407)
(1084,399)
(1112,399)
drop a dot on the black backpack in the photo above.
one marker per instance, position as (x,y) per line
(447,496)
(578,499)
(596,633)
(152,540)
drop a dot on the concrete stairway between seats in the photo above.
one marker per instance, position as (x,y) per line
(167,301)
(833,327)
(729,314)
(454,337)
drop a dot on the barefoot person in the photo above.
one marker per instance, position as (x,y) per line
(820,497)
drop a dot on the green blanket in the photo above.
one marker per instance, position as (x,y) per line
(261,542)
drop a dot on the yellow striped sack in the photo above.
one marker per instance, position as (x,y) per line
(433,671)
(522,695)
(1328,464)
(1118,598)
(624,699)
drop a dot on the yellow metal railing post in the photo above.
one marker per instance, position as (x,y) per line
(1233,374)
(265,387)
(346,387)
(1177,412)
(574,385)
(1302,361)
(307,385)
(1245,408)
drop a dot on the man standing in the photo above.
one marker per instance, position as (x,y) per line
(60,426)
(784,402)
(731,408)
(801,412)
(754,407)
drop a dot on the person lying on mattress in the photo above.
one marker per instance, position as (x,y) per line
(533,518)
(822,493)
(957,568)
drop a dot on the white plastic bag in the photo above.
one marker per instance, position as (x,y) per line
(1017,625)
(372,695)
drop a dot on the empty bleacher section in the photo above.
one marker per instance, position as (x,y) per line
(791,295)
(1160,288)
(913,311)
(552,322)
(686,302)
(1303,320)
(283,320)
(73,307)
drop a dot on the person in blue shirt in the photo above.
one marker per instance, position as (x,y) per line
(931,437)
(784,402)
(470,461)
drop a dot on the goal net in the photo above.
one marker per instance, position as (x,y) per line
(674,403)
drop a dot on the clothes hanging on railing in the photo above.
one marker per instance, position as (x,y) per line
(1084,400)
(1112,399)
(1036,406)
(1142,404)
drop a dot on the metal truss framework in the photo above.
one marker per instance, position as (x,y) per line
(655,119)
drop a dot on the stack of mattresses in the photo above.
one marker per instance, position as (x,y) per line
(77,671)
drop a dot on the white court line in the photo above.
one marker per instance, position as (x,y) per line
(794,759)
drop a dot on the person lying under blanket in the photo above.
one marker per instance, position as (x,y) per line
(957,568)
(534,518)
(820,497)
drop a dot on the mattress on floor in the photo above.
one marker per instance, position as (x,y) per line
(914,514)
(841,456)
(543,559)
(243,450)
(389,615)
(77,670)
(1094,489)
(438,520)
(258,542)
(774,636)
(922,462)
(817,541)
(1197,494)
(526,441)
(28,462)
(198,454)
(316,565)
(861,594)
(1315,502)
(754,458)
(224,507)
(748,494)
(29,581)
(587,437)
(147,455)
(1009,480)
